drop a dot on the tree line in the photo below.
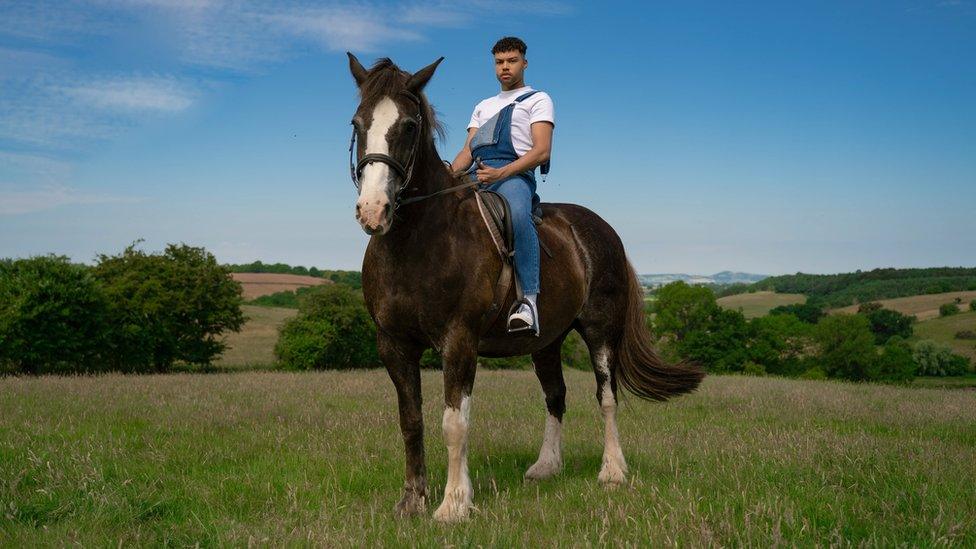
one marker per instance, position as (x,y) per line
(795,340)
(839,290)
(353,279)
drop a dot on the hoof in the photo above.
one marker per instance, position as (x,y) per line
(411,504)
(543,469)
(613,473)
(455,507)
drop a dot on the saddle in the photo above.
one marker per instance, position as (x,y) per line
(496,213)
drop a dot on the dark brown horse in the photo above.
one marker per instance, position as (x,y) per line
(428,279)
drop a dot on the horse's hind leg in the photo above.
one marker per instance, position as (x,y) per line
(549,369)
(614,468)
(402,361)
(460,362)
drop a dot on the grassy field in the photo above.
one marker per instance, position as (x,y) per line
(924,307)
(316,459)
(944,330)
(759,303)
(254,345)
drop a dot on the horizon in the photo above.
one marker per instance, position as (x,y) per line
(766,138)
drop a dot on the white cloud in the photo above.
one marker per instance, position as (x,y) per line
(340,29)
(128,93)
(61,110)
(21,201)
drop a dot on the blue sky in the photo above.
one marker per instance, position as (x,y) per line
(768,137)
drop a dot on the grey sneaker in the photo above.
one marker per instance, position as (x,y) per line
(526,317)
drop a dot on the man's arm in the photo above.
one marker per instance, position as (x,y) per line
(538,154)
(463,159)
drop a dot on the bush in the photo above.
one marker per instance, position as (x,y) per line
(753,369)
(721,344)
(948,309)
(933,359)
(886,324)
(333,330)
(167,307)
(965,334)
(779,343)
(806,312)
(52,316)
(896,362)
(814,373)
(575,354)
(972,305)
(847,347)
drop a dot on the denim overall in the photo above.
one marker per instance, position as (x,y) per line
(492,144)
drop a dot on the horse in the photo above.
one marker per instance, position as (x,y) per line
(428,276)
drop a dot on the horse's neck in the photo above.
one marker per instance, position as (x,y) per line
(426,220)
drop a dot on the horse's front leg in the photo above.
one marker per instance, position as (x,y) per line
(402,361)
(460,361)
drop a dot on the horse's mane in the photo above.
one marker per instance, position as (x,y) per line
(386,79)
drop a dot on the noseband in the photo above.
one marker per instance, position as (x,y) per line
(403,172)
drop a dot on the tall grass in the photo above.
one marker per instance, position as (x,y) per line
(316,458)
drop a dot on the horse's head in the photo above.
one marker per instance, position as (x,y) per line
(390,125)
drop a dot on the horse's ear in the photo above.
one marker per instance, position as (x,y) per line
(357,70)
(420,78)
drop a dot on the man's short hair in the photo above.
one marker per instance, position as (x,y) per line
(509,43)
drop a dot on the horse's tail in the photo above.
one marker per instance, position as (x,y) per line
(640,369)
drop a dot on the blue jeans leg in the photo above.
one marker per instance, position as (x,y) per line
(519,196)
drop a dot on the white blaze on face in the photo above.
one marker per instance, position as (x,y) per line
(374,194)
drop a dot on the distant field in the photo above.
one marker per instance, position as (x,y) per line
(254,344)
(943,329)
(315,459)
(259,284)
(759,303)
(923,307)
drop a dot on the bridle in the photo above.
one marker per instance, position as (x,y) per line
(403,172)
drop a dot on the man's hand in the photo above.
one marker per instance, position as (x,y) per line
(486,174)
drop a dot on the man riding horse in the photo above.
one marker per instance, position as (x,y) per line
(508,136)
(431,274)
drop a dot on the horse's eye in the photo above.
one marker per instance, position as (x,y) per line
(409,125)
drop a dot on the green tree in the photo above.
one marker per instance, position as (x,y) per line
(682,309)
(52,316)
(806,312)
(168,307)
(333,330)
(886,324)
(934,359)
(720,343)
(846,347)
(779,343)
(895,363)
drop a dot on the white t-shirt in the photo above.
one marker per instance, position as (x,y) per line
(536,108)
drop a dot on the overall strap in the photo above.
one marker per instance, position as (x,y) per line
(544,168)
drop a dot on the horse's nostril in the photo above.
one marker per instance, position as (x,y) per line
(358,207)
(386,209)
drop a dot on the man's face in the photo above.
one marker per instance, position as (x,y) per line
(509,66)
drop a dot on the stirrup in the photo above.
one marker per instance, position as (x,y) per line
(521,327)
